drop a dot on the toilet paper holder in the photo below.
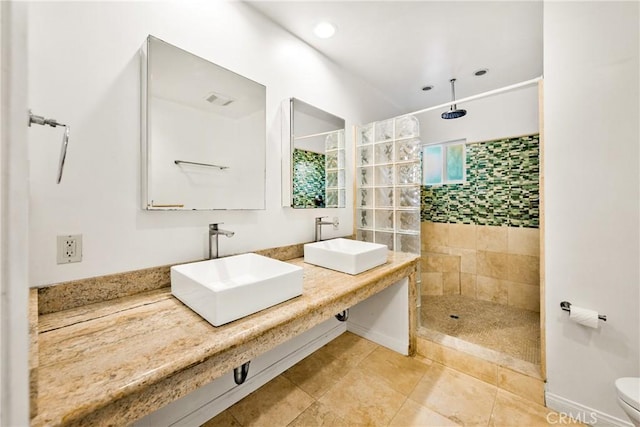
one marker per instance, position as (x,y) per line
(566,306)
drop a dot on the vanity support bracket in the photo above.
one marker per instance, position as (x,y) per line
(343,315)
(240,373)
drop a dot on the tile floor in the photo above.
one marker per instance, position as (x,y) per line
(509,330)
(354,382)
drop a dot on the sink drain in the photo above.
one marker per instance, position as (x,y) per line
(454,316)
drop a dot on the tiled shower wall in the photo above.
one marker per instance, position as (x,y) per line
(501,189)
(481,238)
(308,177)
(499,264)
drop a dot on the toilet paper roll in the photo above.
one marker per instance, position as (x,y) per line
(584,316)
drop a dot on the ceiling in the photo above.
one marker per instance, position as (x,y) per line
(169,66)
(398,47)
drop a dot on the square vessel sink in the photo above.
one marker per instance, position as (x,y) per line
(345,255)
(225,289)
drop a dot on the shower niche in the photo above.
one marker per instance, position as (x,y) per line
(203,133)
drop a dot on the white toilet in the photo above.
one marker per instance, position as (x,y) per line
(629,398)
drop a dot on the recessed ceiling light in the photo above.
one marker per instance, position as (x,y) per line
(481,72)
(426,88)
(324,30)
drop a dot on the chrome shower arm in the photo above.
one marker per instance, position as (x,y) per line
(453,94)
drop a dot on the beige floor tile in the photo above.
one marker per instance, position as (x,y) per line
(401,373)
(420,357)
(317,373)
(416,415)
(466,363)
(223,419)
(522,385)
(277,403)
(511,410)
(363,399)
(459,397)
(349,349)
(318,415)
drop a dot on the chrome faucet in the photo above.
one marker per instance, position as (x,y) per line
(320,223)
(214,232)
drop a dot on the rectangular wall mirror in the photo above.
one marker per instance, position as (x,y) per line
(316,157)
(203,133)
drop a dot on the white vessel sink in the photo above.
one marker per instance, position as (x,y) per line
(345,255)
(225,289)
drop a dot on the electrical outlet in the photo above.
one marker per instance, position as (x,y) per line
(69,248)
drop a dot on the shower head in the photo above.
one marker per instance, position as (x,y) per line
(453,112)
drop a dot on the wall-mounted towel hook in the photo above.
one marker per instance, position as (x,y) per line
(40,120)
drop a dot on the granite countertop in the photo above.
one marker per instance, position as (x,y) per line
(113,362)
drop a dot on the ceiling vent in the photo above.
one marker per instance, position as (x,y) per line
(219,99)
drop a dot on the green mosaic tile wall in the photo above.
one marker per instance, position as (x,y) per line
(308,178)
(502,187)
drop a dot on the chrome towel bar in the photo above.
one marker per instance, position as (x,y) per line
(178,162)
(40,120)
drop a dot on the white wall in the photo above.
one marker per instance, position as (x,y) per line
(84,71)
(507,114)
(592,189)
(14,326)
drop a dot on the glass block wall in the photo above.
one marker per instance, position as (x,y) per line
(334,167)
(388,175)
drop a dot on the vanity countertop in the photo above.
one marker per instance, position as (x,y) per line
(112,362)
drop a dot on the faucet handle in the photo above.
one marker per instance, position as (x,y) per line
(214,226)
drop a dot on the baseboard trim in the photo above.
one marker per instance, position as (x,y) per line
(384,340)
(225,400)
(582,413)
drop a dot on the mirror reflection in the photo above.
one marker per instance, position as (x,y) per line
(317,157)
(204,133)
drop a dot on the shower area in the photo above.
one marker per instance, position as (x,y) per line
(480,248)
(466,200)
